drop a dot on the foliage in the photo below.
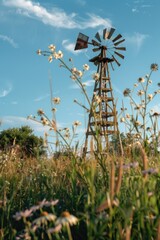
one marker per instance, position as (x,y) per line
(22,140)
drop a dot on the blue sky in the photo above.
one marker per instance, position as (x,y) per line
(26,26)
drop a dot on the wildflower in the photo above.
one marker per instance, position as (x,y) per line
(128,116)
(45,203)
(116,202)
(39,52)
(140,93)
(44,219)
(50,58)
(79,73)
(56,100)
(149,81)
(156,92)
(150,97)
(74,70)
(76,123)
(56,229)
(40,112)
(55,55)
(141,80)
(122,119)
(66,219)
(135,85)
(137,123)
(156,114)
(95,76)
(150,194)
(154,66)
(25,214)
(150,171)
(97,99)
(66,129)
(54,109)
(60,54)
(67,135)
(52,47)
(138,107)
(148,129)
(150,217)
(126,92)
(44,121)
(86,67)
(73,77)
(158,84)
(147,76)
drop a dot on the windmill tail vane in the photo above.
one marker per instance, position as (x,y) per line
(103,115)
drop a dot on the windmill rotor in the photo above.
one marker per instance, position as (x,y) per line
(109,42)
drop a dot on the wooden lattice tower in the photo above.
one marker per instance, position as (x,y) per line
(102,122)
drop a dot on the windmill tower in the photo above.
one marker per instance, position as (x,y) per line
(102,121)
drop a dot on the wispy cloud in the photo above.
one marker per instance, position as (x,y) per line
(57,17)
(6,91)
(69,46)
(38,99)
(137,39)
(14,102)
(8,40)
(81,2)
(88,83)
(14,121)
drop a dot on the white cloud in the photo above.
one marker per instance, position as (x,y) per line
(14,121)
(57,17)
(137,39)
(9,40)
(89,83)
(81,2)
(69,46)
(134,10)
(41,98)
(14,102)
(6,91)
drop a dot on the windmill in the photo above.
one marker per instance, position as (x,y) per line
(102,120)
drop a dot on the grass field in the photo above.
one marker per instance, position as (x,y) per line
(71,198)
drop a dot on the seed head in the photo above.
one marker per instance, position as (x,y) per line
(154,67)
(126,92)
(141,80)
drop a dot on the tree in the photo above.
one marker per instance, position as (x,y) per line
(29,144)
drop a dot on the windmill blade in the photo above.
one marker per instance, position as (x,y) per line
(82,41)
(116,60)
(111,32)
(105,34)
(95,43)
(117,43)
(120,48)
(96,49)
(95,59)
(97,36)
(120,55)
(117,37)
